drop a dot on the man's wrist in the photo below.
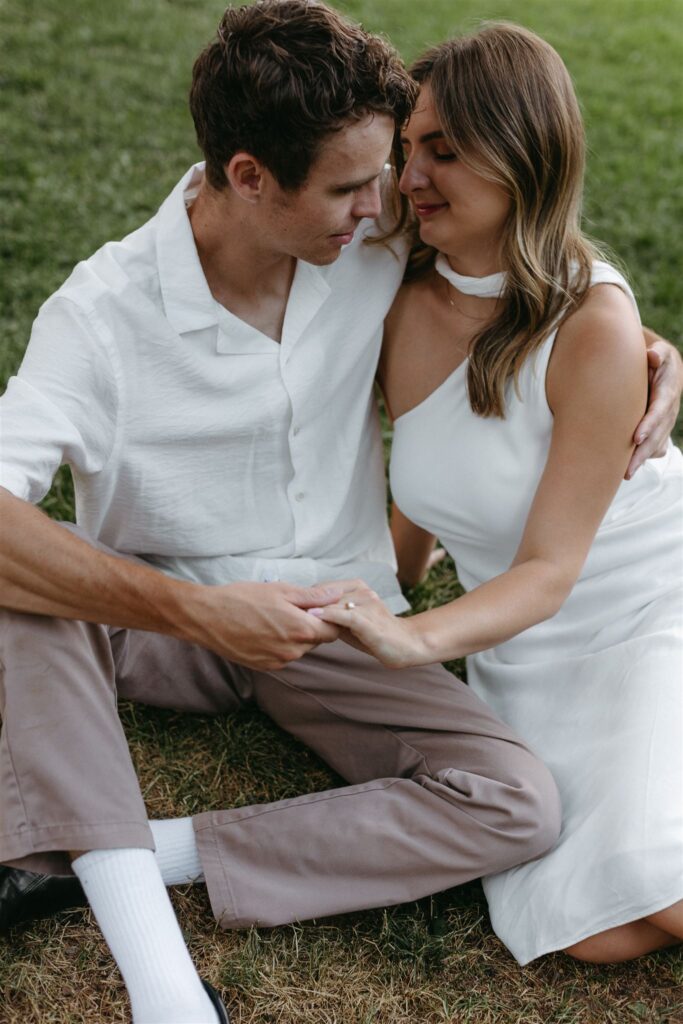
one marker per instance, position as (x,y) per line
(182,608)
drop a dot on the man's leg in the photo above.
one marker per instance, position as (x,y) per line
(67,784)
(66,778)
(168,673)
(441,792)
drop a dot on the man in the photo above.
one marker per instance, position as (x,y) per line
(209,380)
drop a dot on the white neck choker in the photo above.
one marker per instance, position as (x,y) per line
(491,287)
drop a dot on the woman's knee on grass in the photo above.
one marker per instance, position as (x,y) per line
(625,942)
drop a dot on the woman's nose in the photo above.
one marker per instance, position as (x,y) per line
(412,177)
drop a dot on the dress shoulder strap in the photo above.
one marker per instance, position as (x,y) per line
(604,273)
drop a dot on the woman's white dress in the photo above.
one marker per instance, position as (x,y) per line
(596,691)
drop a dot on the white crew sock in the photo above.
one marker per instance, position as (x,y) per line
(176,851)
(129,900)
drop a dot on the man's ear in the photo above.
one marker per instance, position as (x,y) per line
(245,175)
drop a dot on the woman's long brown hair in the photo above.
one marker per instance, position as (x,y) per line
(508,110)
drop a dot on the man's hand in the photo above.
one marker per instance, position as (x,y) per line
(260,625)
(47,570)
(665,369)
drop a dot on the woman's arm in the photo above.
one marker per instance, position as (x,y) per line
(597,389)
(414,548)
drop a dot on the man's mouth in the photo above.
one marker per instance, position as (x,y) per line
(344,237)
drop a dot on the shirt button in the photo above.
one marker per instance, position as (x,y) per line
(295,431)
(300,496)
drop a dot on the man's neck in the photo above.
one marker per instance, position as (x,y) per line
(251,282)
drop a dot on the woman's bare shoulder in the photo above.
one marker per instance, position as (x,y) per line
(605,324)
(599,344)
(411,296)
(408,309)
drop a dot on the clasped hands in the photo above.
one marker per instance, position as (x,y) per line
(264,626)
(367,624)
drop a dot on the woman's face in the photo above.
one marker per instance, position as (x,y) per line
(459,212)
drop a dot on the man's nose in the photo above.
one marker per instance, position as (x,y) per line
(368,201)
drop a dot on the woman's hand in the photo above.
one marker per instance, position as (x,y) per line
(371,627)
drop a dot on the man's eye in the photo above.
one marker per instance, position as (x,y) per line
(445,156)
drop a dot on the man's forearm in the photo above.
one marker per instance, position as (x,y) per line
(652,338)
(47,570)
(665,369)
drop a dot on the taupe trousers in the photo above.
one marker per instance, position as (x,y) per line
(440,791)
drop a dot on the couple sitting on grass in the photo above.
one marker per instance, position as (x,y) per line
(209,380)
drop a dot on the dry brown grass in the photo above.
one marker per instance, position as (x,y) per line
(378,967)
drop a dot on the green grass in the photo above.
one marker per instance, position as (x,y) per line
(96,132)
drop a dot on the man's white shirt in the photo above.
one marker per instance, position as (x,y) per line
(197,442)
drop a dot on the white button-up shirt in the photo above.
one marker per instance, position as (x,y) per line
(197,442)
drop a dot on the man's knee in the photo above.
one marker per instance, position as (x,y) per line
(530,792)
(519,805)
(541,812)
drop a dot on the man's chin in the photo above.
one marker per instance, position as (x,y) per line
(322,259)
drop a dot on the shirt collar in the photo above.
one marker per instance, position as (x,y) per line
(309,291)
(188,301)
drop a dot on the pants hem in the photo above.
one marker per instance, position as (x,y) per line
(46,849)
(213,865)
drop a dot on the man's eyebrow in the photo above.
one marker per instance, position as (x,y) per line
(438,134)
(357,184)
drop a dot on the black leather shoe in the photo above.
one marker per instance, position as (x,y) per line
(217,1003)
(25,896)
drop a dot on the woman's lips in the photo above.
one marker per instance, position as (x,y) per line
(428,209)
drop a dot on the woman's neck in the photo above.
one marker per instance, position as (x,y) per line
(473,261)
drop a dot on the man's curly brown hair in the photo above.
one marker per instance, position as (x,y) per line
(280,77)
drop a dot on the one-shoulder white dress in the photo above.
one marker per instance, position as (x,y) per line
(596,691)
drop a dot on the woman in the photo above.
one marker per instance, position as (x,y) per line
(515,372)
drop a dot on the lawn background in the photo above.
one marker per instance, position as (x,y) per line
(96,132)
